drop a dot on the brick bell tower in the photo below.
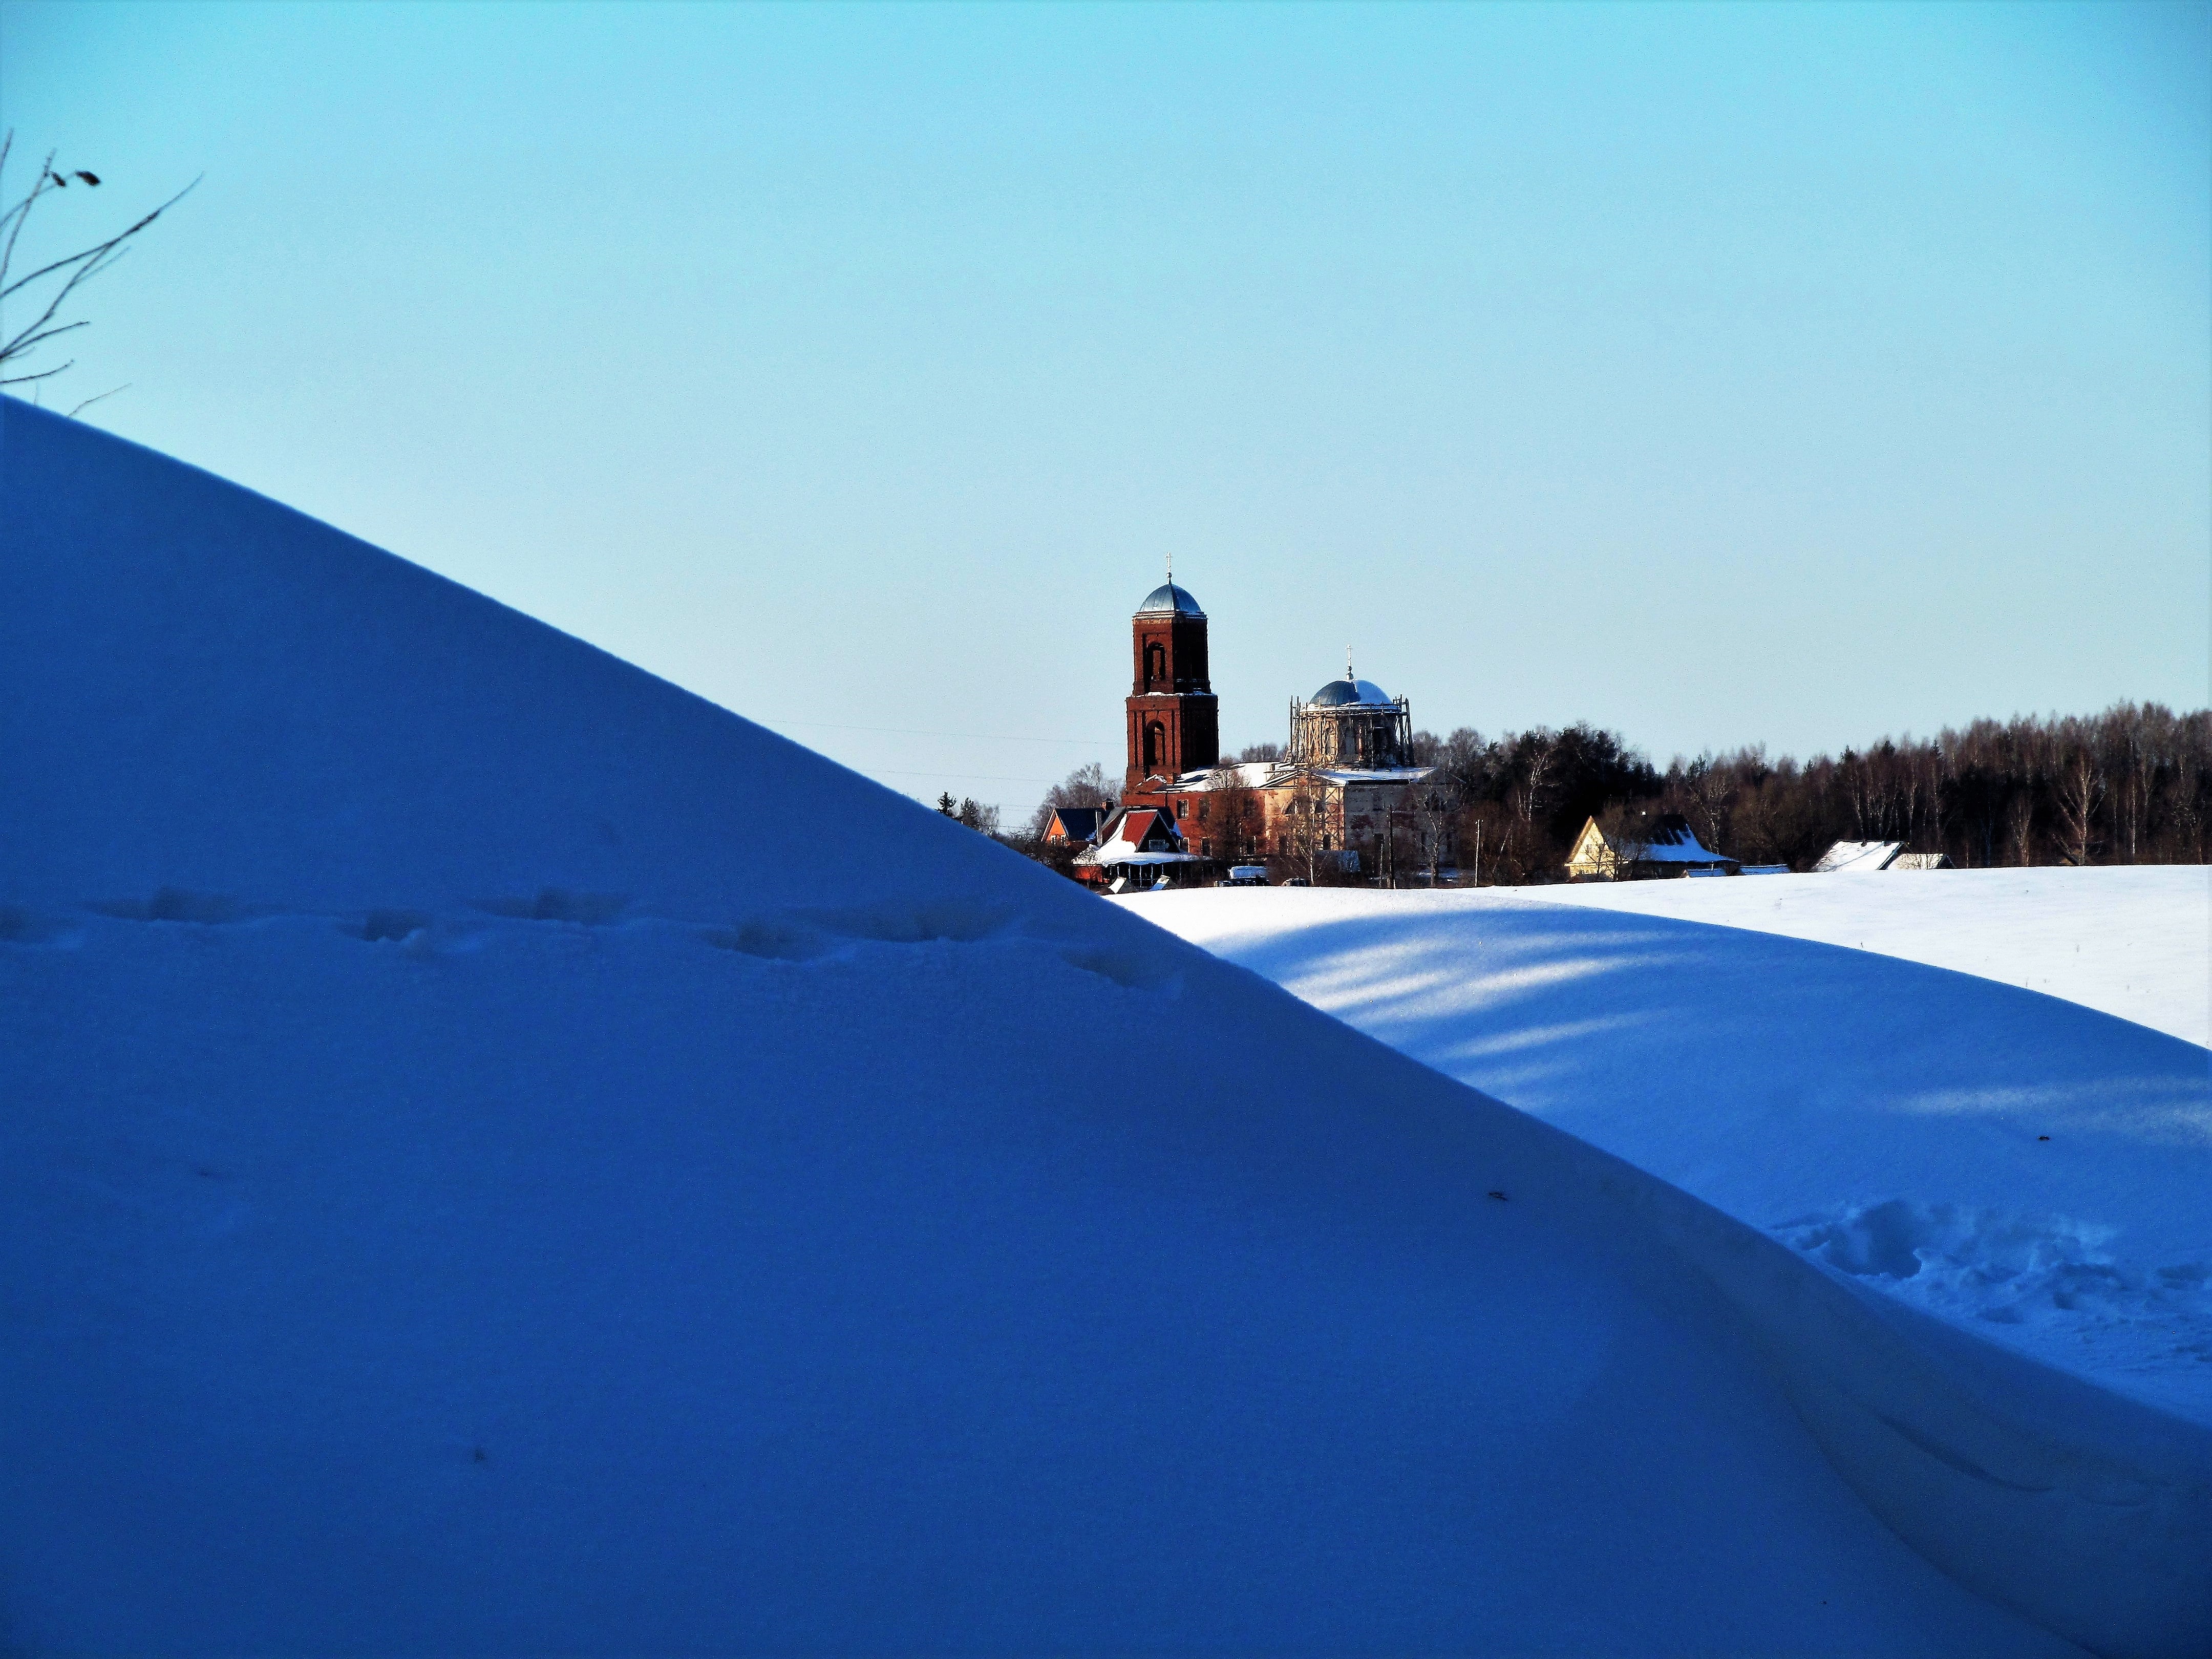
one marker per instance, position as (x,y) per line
(1174,722)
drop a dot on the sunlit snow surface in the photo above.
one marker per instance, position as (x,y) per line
(2134,941)
(498,1156)
(2018,1163)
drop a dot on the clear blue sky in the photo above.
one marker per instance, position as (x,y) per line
(1793,374)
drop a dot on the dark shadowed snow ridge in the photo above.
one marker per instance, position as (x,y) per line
(470,1182)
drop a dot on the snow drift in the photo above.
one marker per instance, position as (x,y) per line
(2031,1171)
(477,1177)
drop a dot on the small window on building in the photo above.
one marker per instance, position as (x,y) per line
(1182,808)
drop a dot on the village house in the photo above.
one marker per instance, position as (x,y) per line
(1662,844)
(1080,825)
(1142,849)
(1865,857)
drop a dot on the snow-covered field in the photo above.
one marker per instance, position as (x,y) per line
(2032,1170)
(475,1179)
(2135,942)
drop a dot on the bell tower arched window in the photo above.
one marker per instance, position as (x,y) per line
(1155,664)
(1156,745)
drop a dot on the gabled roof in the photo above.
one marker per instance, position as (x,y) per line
(1666,839)
(1857,856)
(1673,841)
(1076,822)
(1140,823)
(1132,830)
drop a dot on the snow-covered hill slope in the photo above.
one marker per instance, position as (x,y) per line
(2034,1171)
(477,1176)
(2134,941)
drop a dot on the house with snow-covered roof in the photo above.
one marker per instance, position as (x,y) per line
(1662,844)
(1856,856)
(1866,857)
(1141,847)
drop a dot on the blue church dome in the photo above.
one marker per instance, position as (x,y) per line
(1343,694)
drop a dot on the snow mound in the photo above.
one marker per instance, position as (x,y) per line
(1897,1106)
(475,1180)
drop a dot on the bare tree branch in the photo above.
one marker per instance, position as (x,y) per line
(89,402)
(100,249)
(44,374)
(16,214)
(23,349)
(15,347)
(74,269)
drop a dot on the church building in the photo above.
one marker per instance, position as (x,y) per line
(1344,798)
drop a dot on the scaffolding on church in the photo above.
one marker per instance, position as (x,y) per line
(1360,737)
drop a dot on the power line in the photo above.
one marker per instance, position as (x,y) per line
(966,777)
(917,731)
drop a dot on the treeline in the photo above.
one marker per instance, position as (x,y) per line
(2130,786)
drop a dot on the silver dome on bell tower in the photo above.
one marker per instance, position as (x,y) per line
(1169,600)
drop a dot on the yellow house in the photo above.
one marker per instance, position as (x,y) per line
(1660,845)
(1593,858)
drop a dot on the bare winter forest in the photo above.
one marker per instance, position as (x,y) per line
(2130,786)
